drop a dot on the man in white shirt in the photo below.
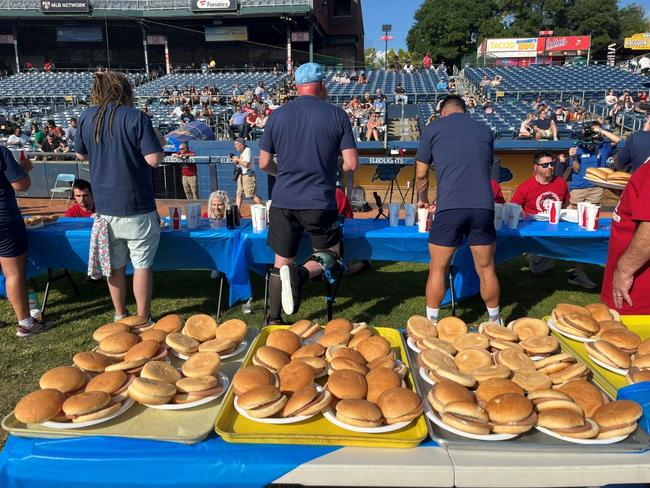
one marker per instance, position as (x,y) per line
(408,67)
(644,65)
(17,138)
(246,182)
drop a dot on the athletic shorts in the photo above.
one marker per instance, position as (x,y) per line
(247,185)
(473,225)
(287,226)
(13,237)
(133,239)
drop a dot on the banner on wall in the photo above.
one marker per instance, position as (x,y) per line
(509,47)
(638,42)
(564,43)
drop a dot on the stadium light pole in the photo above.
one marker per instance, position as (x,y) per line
(386,37)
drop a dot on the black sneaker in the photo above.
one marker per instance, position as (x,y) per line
(290,277)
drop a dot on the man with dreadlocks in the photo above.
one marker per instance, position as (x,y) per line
(122,148)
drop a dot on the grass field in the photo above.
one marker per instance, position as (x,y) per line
(386,295)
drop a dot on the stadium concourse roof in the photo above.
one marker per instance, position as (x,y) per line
(157,8)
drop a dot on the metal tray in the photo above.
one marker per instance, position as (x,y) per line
(233,427)
(532,440)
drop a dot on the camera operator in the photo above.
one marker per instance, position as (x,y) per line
(188,172)
(246,181)
(592,150)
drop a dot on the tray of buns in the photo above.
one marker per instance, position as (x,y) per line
(608,178)
(513,388)
(343,384)
(129,386)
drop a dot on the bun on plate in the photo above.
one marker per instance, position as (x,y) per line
(169,323)
(90,405)
(201,327)
(39,406)
(466,416)
(451,327)
(285,340)
(262,402)
(511,414)
(91,361)
(617,418)
(347,385)
(399,405)
(234,330)
(608,353)
(66,379)
(251,377)
(360,413)
(306,401)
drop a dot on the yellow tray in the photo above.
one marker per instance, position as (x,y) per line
(610,382)
(233,427)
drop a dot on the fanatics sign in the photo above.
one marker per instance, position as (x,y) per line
(51,7)
(212,5)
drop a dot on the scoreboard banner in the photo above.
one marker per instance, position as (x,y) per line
(213,5)
(53,7)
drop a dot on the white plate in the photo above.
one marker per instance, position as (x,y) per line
(540,216)
(433,416)
(275,420)
(242,346)
(412,346)
(593,442)
(613,369)
(606,184)
(313,338)
(424,374)
(72,425)
(330,415)
(551,325)
(223,381)
(569,215)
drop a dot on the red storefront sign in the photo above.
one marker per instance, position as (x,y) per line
(564,43)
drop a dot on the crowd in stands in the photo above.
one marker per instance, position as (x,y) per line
(48,138)
(367,116)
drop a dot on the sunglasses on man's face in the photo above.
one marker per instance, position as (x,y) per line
(545,165)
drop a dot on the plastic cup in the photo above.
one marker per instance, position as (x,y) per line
(409,214)
(423,220)
(498,215)
(512,214)
(582,213)
(593,213)
(393,214)
(258,213)
(554,211)
(191,216)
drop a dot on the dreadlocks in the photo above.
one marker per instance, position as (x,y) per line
(109,87)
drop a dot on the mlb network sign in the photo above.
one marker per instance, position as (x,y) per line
(213,5)
(48,7)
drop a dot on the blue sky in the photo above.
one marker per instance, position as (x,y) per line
(399,13)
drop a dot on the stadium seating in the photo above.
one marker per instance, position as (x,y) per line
(223,81)
(558,81)
(420,85)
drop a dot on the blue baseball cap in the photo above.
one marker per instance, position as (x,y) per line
(309,73)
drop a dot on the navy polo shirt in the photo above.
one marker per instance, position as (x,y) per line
(10,172)
(307,134)
(636,150)
(122,180)
(461,151)
(587,160)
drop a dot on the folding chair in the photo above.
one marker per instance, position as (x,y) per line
(68,180)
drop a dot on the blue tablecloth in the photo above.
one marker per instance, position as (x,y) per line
(64,245)
(368,239)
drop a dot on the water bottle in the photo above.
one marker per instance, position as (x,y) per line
(247,306)
(34,304)
(230,220)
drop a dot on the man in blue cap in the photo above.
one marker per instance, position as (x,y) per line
(307,134)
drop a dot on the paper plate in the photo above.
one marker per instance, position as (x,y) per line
(223,381)
(241,347)
(313,338)
(613,369)
(540,216)
(128,403)
(569,215)
(606,184)
(424,374)
(551,325)
(412,346)
(330,415)
(275,420)
(433,416)
(591,442)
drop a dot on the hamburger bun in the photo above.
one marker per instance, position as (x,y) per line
(514,359)
(451,327)
(527,327)
(445,391)
(149,350)
(550,399)
(599,311)
(585,394)
(581,325)
(563,309)
(115,383)
(608,353)
(294,376)
(91,361)
(373,348)
(39,406)
(153,335)
(433,360)
(500,345)
(466,416)
(540,345)
(598,174)
(617,418)
(436,344)
(271,358)
(201,327)
(345,363)
(65,379)
(262,402)
(636,375)
(151,392)
(554,363)
(108,329)
(181,343)
(360,413)
(623,338)
(496,331)
(307,401)
(334,338)
(347,385)
(470,359)
(493,371)
(218,346)
(359,337)
(620,177)
(251,377)
(339,325)
(641,361)
(399,405)
(511,414)
(489,389)
(90,405)
(419,327)
(644,347)
(572,372)
(197,384)
(127,366)
(304,328)
(532,380)
(313,350)
(169,323)
(134,321)
(455,375)
(201,364)
(116,345)
(160,371)
(319,365)
(285,340)
(471,340)
(234,330)
(567,423)
(379,380)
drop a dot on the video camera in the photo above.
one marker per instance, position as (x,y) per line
(585,135)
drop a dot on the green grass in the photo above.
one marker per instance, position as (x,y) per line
(384,296)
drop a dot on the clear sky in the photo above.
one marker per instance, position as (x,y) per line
(399,13)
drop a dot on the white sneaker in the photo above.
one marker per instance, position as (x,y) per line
(579,278)
(37,328)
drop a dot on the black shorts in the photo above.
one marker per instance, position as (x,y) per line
(287,226)
(13,237)
(451,227)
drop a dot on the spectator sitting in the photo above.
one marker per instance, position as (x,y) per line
(251,118)
(51,143)
(372,127)
(610,98)
(537,103)
(488,109)
(260,90)
(363,79)
(52,128)
(471,105)
(63,147)
(485,82)
(218,203)
(544,127)
(626,94)
(642,96)
(84,203)
(644,65)
(408,67)
(71,132)
(186,114)
(560,116)
(354,103)
(212,64)
(452,85)
(235,94)
(17,138)
(525,129)
(496,81)
(400,94)
(442,85)
(260,123)
(38,135)
(238,123)
(205,67)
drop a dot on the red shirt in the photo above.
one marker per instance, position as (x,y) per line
(632,209)
(343,204)
(190,168)
(77,211)
(535,197)
(496,191)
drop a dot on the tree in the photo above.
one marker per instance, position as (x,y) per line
(597,18)
(370,58)
(632,20)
